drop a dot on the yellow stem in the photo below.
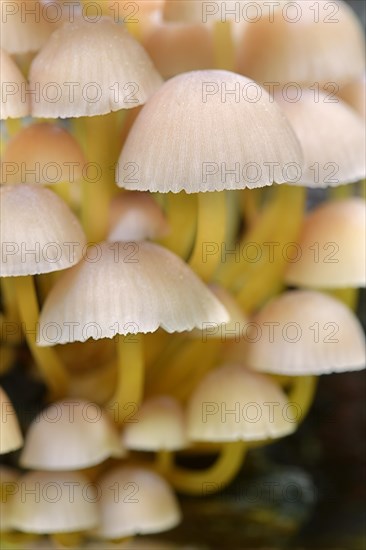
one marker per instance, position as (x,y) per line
(181,212)
(68,540)
(211,234)
(130,384)
(13,126)
(302,393)
(224,46)
(213,479)
(47,360)
(163,462)
(264,278)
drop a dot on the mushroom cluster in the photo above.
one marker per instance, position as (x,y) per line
(182,245)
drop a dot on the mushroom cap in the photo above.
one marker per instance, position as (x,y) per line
(233,328)
(333,247)
(8,484)
(232,403)
(70,435)
(11,438)
(177,47)
(130,288)
(159,425)
(54,502)
(305,332)
(332,137)
(14,101)
(145,504)
(321,42)
(23,26)
(39,233)
(43,153)
(136,216)
(111,70)
(208,138)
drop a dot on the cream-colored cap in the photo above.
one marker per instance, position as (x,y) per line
(14,100)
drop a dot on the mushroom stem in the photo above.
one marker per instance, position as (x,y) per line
(224,47)
(46,358)
(67,540)
(211,233)
(163,462)
(302,393)
(264,278)
(13,125)
(96,194)
(130,384)
(181,211)
(216,477)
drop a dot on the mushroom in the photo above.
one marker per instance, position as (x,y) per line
(61,504)
(331,247)
(332,156)
(305,332)
(13,100)
(23,26)
(208,139)
(136,217)
(314,43)
(11,438)
(135,501)
(39,234)
(72,434)
(133,288)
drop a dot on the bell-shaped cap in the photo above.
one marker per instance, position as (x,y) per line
(39,233)
(14,101)
(129,288)
(24,27)
(213,130)
(54,502)
(232,403)
(305,332)
(42,153)
(159,425)
(303,43)
(11,438)
(136,217)
(332,137)
(70,435)
(108,71)
(145,504)
(331,247)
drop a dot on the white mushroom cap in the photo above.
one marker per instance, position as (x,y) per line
(232,403)
(54,502)
(159,425)
(332,247)
(42,153)
(39,233)
(11,438)
(111,69)
(332,137)
(14,101)
(213,130)
(145,504)
(136,217)
(131,288)
(23,26)
(305,332)
(70,435)
(303,43)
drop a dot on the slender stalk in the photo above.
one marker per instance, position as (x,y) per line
(224,50)
(163,462)
(130,383)
(302,393)
(181,212)
(211,233)
(213,479)
(68,540)
(47,360)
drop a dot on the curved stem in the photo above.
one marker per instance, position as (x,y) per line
(181,212)
(130,384)
(302,393)
(211,233)
(47,360)
(216,477)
